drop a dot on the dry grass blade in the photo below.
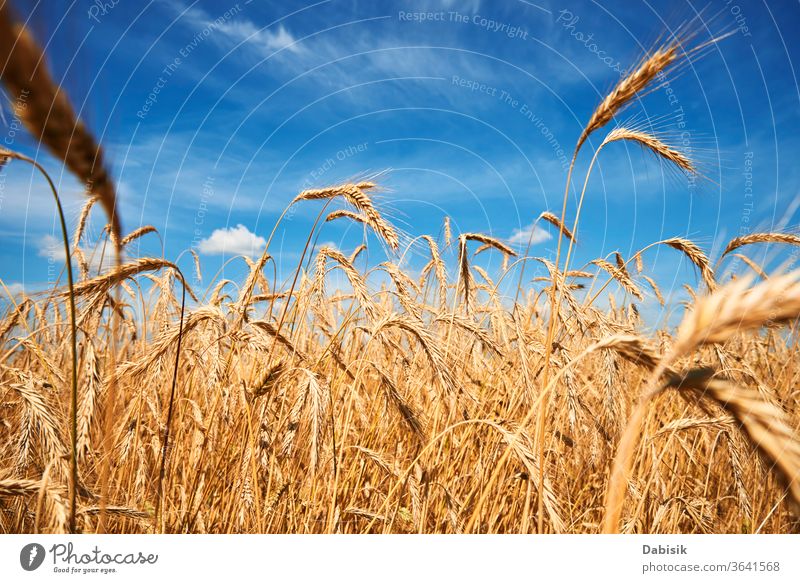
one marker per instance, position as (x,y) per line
(751,264)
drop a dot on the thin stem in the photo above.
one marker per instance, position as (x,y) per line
(73,413)
(548,346)
(165,448)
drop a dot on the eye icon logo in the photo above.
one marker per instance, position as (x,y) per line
(31,556)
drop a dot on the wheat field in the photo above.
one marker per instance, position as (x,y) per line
(394,401)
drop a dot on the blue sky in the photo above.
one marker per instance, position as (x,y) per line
(468,107)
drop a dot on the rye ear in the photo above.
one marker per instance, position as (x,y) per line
(45,110)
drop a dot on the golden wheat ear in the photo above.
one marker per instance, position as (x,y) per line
(631,85)
(649,74)
(786,238)
(356,195)
(47,113)
(556,222)
(655,145)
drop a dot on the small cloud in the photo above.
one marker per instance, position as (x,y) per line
(15,288)
(51,248)
(236,240)
(522,236)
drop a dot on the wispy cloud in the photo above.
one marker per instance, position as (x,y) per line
(236,240)
(533,233)
(234,28)
(267,41)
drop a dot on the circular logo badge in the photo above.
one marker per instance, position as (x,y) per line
(31,556)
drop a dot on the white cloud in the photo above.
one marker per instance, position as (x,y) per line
(51,248)
(238,29)
(243,30)
(522,236)
(15,288)
(236,240)
(282,39)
